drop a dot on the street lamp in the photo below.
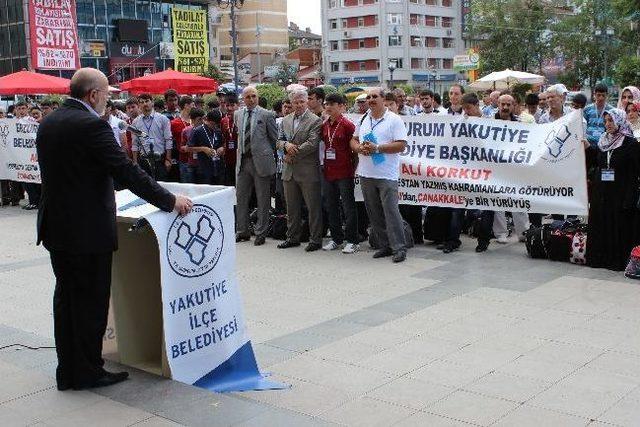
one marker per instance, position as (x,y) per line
(606,34)
(233,4)
(392,67)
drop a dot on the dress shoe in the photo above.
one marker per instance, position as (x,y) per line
(64,386)
(312,247)
(450,247)
(381,253)
(109,378)
(242,237)
(399,256)
(259,241)
(288,244)
(482,247)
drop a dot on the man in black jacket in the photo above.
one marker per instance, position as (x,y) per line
(79,159)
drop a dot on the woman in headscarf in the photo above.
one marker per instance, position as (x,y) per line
(627,95)
(614,195)
(633,116)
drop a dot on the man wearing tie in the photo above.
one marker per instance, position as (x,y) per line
(300,140)
(255,165)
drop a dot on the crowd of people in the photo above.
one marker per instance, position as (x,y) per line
(305,152)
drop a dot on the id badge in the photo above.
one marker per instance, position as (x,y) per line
(232,145)
(608,175)
(330,154)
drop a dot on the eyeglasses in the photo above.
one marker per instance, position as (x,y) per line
(373,96)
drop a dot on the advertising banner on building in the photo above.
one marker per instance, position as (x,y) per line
(191,44)
(53,35)
(487,164)
(18,157)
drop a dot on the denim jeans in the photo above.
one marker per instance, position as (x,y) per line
(336,194)
(187,173)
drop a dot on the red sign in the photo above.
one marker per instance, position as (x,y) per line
(54,35)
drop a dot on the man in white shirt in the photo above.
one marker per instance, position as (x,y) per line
(378,140)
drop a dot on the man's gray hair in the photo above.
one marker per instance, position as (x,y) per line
(399,92)
(298,93)
(557,89)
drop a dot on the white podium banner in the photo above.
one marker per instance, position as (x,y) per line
(18,157)
(206,340)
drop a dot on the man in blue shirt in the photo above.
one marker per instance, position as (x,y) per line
(594,114)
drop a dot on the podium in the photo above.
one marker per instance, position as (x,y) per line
(135,327)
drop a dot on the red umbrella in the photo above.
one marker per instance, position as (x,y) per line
(30,83)
(170,79)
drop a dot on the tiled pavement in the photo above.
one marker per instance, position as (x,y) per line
(440,340)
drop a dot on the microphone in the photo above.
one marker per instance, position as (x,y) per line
(134,130)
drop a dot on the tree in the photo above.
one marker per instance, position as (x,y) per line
(627,71)
(272,93)
(286,74)
(214,72)
(512,33)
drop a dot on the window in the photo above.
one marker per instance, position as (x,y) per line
(432,42)
(446,3)
(416,1)
(433,63)
(431,2)
(430,21)
(415,19)
(377,41)
(395,40)
(345,44)
(362,65)
(334,45)
(416,41)
(394,18)
(398,62)
(375,19)
(447,22)
(447,63)
(361,21)
(333,4)
(448,43)
(335,66)
(417,63)
(361,44)
(344,23)
(333,24)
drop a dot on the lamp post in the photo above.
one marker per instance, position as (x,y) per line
(606,34)
(233,5)
(392,67)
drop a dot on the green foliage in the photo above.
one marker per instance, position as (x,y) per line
(513,33)
(272,92)
(627,71)
(329,89)
(286,74)
(520,90)
(209,97)
(54,98)
(408,89)
(214,72)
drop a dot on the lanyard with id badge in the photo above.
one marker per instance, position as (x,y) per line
(330,152)
(376,158)
(608,174)
(149,140)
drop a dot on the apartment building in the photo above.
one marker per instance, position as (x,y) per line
(361,38)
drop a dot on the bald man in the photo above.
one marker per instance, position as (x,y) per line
(255,164)
(79,158)
(492,108)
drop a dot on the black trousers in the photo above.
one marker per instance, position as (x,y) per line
(337,194)
(80,309)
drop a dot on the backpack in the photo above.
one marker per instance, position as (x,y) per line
(374,241)
(579,248)
(277,227)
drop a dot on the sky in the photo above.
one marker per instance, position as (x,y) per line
(305,13)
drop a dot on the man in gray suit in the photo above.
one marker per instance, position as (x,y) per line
(255,165)
(300,139)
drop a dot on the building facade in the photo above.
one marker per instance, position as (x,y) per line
(100,43)
(261,27)
(418,38)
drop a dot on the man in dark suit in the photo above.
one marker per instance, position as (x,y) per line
(79,159)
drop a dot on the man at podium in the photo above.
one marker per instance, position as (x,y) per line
(79,159)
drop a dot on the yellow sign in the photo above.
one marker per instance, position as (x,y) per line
(191,45)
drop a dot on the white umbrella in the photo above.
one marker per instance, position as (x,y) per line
(295,86)
(505,79)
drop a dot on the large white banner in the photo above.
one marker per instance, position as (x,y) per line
(205,334)
(18,158)
(487,164)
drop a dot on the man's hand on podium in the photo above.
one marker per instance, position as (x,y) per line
(183,205)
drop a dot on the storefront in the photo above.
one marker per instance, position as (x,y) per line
(122,38)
